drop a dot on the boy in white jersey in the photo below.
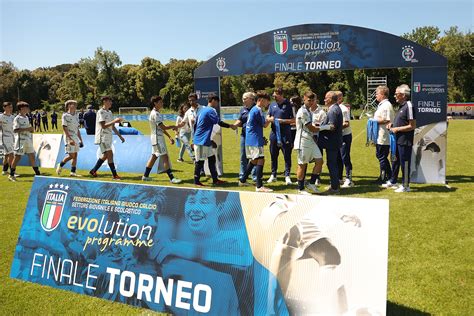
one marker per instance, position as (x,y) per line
(305,145)
(72,137)
(105,124)
(158,130)
(7,138)
(190,115)
(23,139)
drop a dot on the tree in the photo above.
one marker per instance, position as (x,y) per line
(8,82)
(180,81)
(151,77)
(426,36)
(458,48)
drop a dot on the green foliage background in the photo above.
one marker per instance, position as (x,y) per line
(133,85)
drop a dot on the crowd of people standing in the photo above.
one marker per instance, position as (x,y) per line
(299,124)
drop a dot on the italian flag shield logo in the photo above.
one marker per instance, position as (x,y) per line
(280,41)
(52,209)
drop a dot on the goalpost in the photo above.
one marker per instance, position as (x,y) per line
(138,110)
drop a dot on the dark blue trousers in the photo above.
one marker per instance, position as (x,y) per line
(403,160)
(382,152)
(344,157)
(274,153)
(331,160)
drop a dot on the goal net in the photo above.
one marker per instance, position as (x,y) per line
(139,110)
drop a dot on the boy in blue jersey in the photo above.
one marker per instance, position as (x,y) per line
(254,141)
(206,118)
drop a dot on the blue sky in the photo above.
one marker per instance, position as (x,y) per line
(42,33)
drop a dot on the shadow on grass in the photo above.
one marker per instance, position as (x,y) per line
(362,185)
(400,310)
(459,179)
(434,188)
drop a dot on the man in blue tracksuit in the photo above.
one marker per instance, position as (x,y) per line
(330,138)
(281,110)
(206,118)
(404,129)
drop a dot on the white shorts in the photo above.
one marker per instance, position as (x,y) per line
(71,149)
(160,148)
(202,152)
(8,146)
(105,145)
(308,154)
(254,152)
(24,147)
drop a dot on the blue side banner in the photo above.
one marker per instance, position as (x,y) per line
(182,251)
(125,160)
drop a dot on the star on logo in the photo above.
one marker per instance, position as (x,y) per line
(56,185)
(50,186)
(66,187)
(61,186)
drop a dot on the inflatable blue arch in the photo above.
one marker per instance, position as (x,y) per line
(322,47)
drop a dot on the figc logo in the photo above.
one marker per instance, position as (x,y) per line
(53,206)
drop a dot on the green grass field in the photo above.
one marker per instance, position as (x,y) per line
(431,246)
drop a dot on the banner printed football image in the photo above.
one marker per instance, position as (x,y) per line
(428,163)
(181,251)
(329,255)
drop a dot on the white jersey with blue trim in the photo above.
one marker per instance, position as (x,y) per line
(6,128)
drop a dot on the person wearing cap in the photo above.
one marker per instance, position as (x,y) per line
(72,137)
(89,120)
(404,129)
(23,140)
(344,157)
(105,124)
(384,115)
(282,111)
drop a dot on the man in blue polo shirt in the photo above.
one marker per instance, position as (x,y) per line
(206,118)
(248,99)
(254,141)
(330,138)
(282,111)
(404,129)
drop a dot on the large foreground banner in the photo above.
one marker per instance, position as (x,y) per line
(192,252)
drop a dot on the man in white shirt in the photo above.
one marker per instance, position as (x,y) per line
(384,115)
(344,159)
(105,124)
(305,145)
(23,140)
(7,139)
(72,137)
(158,130)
